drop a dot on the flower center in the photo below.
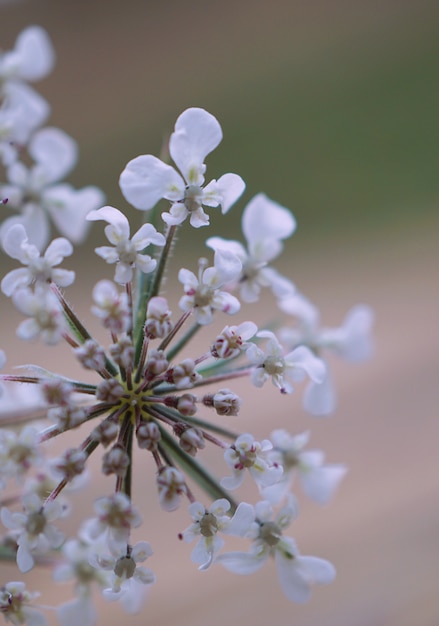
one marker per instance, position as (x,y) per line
(192,198)
(125,567)
(36,522)
(208,525)
(270,533)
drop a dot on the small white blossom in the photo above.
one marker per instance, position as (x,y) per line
(207,523)
(172,486)
(265,224)
(91,355)
(126,252)
(246,453)
(33,529)
(158,318)
(40,269)
(183,375)
(296,573)
(17,605)
(76,567)
(146,179)
(232,340)
(351,341)
(148,435)
(36,193)
(111,307)
(115,461)
(192,440)
(115,518)
(46,318)
(224,401)
(283,368)
(127,577)
(18,452)
(203,293)
(317,479)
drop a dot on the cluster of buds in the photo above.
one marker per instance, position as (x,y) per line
(145,394)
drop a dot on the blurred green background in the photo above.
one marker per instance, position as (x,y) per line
(331,108)
(328,106)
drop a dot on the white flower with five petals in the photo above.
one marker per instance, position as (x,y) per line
(126,252)
(318,479)
(41,269)
(203,293)
(351,341)
(246,453)
(207,523)
(33,529)
(146,179)
(36,193)
(296,573)
(265,224)
(127,577)
(283,368)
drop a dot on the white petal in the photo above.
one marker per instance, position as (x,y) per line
(56,151)
(25,559)
(57,250)
(36,52)
(234,247)
(196,134)
(147,235)
(320,398)
(293,583)
(241,562)
(231,187)
(68,208)
(114,217)
(146,179)
(302,357)
(265,219)
(320,483)
(15,279)
(317,570)
(13,241)
(78,611)
(228,267)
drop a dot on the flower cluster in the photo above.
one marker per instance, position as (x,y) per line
(145,394)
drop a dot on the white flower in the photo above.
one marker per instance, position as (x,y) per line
(111,306)
(265,224)
(207,523)
(32,528)
(246,453)
(146,179)
(318,480)
(22,109)
(351,341)
(16,605)
(296,573)
(172,487)
(203,293)
(158,318)
(126,251)
(31,59)
(233,340)
(283,368)
(46,318)
(41,269)
(18,452)
(126,574)
(36,194)
(115,518)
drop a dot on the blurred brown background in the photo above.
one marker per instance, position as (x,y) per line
(331,108)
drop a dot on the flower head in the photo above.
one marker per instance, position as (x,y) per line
(146,179)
